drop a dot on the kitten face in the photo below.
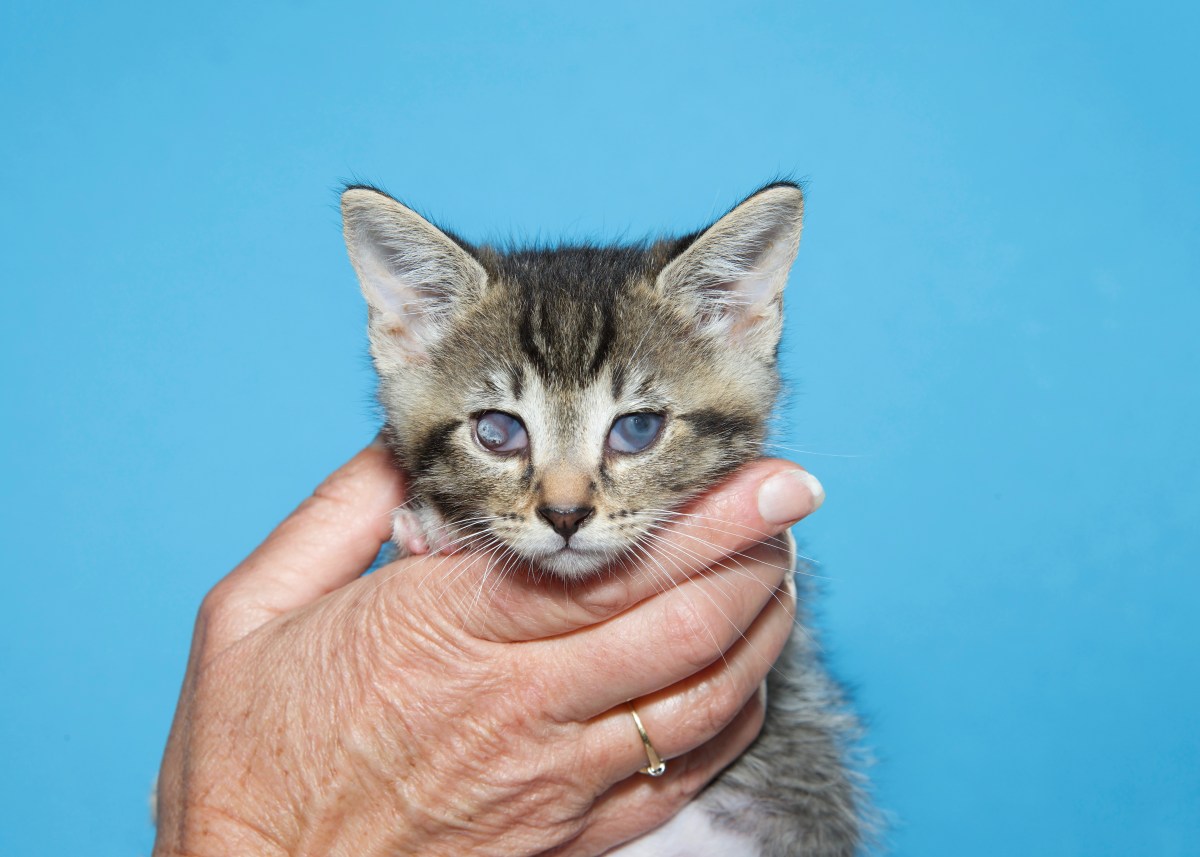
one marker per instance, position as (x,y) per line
(560,403)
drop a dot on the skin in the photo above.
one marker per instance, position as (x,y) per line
(430,709)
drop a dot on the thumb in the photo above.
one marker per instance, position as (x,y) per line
(328,541)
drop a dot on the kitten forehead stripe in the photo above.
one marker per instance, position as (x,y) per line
(618,381)
(525,334)
(604,340)
(516,381)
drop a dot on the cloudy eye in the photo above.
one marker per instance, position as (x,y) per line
(500,432)
(634,432)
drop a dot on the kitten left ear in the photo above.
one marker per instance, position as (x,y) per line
(412,274)
(731,276)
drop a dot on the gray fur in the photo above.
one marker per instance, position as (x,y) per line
(796,790)
(569,339)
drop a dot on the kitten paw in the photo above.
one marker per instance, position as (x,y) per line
(409,533)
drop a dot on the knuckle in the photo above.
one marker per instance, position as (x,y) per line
(690,781)
(695,770)
(335,489)
(216,605)
(723,701)
(604,600)
(689,633)
(220,619)
(692,772)
(330,501)
(712,704)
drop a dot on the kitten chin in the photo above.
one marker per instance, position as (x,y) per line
(570,563)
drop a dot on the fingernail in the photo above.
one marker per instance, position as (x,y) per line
(789,496)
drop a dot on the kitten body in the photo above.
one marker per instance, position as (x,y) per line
(556,406)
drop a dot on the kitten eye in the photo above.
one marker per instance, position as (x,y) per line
(500,432)
(634,432)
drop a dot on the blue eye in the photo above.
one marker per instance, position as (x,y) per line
(500,432)
(634,432)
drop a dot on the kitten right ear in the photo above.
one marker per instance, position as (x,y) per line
(731,276)
(411,272)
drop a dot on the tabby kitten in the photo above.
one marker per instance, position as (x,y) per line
(559,402)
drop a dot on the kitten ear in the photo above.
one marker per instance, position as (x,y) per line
(731,276)
(412,273)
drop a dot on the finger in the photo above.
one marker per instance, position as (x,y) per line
(759,501)
(686,715)
(328,541)
(640,803)
(684,629)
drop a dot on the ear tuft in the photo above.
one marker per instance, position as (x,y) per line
(731,276)
(412,273)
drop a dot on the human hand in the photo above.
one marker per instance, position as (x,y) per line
(430,708)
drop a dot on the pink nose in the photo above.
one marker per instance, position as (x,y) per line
(565,521)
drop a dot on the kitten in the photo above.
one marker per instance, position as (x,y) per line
(560,402)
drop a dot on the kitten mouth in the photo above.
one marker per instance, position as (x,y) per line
(569,550)
(569,561)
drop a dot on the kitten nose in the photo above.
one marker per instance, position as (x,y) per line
(565,521)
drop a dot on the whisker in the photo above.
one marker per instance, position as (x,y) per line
(659,577)
(787,569)
(772,445)
(737,570)
(441,561)
(454,547)
(511,563)
(493,554)
(749,531)
(720,610)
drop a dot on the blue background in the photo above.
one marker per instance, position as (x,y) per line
(991,343)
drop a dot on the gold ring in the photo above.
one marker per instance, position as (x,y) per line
(657,766)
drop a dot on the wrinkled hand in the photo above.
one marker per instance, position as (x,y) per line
(433,708)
